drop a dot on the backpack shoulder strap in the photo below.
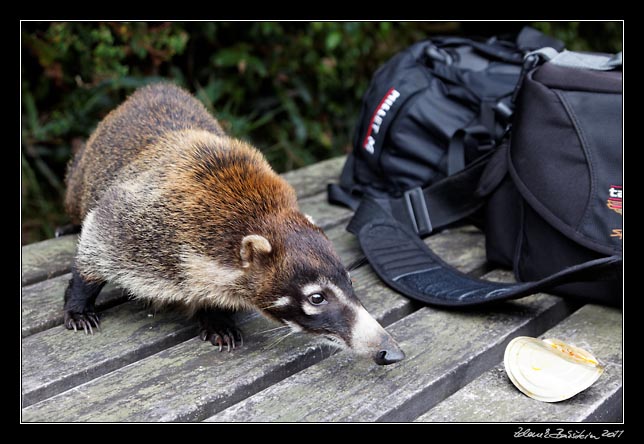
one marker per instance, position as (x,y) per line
(389,232)
(405,263)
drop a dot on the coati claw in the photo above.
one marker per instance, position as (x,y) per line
(217,341)
(219,330)
(76,321)
(229,338)
(94,318)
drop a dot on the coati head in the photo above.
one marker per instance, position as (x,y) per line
(300,282)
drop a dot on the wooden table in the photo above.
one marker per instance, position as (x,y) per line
(149,366)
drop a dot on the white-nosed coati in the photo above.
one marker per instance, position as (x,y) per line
(176,212)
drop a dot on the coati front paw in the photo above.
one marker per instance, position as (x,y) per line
(219,328)
(222,335)
(75,321)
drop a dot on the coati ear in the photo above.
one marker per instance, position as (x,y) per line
(252,246)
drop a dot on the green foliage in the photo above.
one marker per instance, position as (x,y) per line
(293,89)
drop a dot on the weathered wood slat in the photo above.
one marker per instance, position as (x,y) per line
(189,381)
(467,248)
(53,257)
(345,243)
(179,383)
(313,179)
(42,303)
(325,215)
(492,397)
(445,350)
(47,259)
(57,359)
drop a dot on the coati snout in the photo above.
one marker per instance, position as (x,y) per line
(176,212)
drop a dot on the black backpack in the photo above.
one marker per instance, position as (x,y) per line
(548,193)
(430,110)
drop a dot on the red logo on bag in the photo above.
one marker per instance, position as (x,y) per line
(377,118)
(614,201)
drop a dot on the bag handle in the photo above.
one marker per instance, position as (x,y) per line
(584,60)
(490,49)
(528,39)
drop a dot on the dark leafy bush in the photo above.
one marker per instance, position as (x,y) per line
(293,89)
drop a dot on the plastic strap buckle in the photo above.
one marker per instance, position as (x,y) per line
(503,109)
(417,211)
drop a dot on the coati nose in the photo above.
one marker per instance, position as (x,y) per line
(388,353)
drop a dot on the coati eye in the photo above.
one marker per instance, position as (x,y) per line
(317,299)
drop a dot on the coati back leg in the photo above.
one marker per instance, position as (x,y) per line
(218,327)
(67,229)
(79,303)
